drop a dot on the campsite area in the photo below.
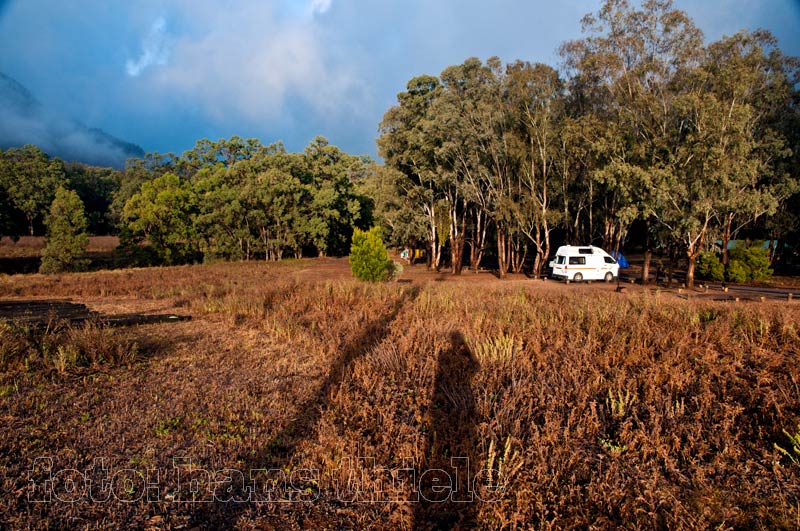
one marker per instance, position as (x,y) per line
(299,398)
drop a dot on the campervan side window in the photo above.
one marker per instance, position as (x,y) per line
(609,260)
(577,260)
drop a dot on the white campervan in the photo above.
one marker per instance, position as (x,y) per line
(577,263)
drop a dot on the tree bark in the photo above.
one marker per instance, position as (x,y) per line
(458,227)
(478,241)
(648,254)
(690,270)
(726,237)
(502,250)
(457,254)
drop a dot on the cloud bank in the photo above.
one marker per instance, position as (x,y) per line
(23,120)
(320,6)
(249,61)
(166,73)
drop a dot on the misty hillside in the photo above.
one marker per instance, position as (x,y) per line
(24,120)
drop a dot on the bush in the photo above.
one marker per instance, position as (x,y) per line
(737,271)
(757,259)
(66,234)
(753,260)
(369,259)
(709,267)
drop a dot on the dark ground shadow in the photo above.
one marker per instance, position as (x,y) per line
(451,442)
(282,449)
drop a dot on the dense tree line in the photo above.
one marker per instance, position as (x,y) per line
(237,199)
(643,130)
(232,199)
(644,126)
(29,179)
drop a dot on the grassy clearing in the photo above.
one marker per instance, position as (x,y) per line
(589,408)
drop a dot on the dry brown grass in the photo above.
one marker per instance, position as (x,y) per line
(598,410)
(31,246)
(24,256)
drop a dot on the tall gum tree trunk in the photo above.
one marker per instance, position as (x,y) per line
(690,270)
(502,251)
(648,258)
(648,254)
(457,254)
(478,241)
(458,229)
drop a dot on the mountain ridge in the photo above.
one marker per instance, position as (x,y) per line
(24,120)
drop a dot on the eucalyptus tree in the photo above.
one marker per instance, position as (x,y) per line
(627,66)
(162,213)
(31,180)
(574,161)
(460,157)
(335,206)
(749,75)
(406,146)
(221,221)
(276,204)
(487,121)
(394,204)
(458,160)
(726,160)
(535,97)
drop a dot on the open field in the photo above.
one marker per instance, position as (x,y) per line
(324,403)
(23,256)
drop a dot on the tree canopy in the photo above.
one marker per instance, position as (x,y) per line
(642,128)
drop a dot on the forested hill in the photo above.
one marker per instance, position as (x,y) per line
(24,120)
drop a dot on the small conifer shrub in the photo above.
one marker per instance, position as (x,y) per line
(369,259)
(66,234)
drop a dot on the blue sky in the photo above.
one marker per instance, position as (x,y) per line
(163,74)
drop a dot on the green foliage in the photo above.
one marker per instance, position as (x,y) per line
(96,188)
(66,234)
(161,214)
(238,200)
(369,259)
(749,263)
(737,271)
(30,180)
(709,267)
(794,442)
(756,259)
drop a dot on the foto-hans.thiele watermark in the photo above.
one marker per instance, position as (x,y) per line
(356,480)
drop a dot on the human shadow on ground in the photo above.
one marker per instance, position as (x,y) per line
(449,457)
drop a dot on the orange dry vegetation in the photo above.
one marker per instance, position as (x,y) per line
(592,408)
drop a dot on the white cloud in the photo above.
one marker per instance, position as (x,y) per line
(320,6)
(155,49)
(247,62)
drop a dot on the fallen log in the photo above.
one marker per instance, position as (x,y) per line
(41,314)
